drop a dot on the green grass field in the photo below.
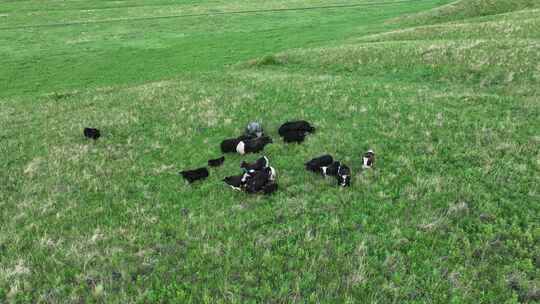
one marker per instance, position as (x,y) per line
(446,93)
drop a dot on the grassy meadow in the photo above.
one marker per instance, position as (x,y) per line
(446,94)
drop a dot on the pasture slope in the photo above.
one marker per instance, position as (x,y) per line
(448,98)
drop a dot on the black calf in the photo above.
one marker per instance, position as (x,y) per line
(294,136)
(92,133)
(300,125)
(216,162)
(194,175)
(344,176)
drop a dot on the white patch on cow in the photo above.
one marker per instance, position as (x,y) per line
(324,170)
(367,160)
(236,188)
(365,165)
(267,161)
(273,174)
(240,148)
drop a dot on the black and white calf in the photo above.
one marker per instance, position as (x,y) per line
(195,175)
(368,159)
(326,166)
(253,145)
(229,145)
(237,182)
(258,177)
(251,173)
(331,170)
(344,176)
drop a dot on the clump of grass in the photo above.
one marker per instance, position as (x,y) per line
(269,60)
(57,96)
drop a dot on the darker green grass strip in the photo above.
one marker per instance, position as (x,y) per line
(216,13)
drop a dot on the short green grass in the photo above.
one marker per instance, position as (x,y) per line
(103,51)
(450,213)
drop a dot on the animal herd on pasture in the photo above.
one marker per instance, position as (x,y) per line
(259,176)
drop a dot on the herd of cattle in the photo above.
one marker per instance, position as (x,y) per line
(259,176)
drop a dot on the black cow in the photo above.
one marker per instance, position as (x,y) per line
(318,162)
(300,125)
(216,162)
(92,133)
(195,175)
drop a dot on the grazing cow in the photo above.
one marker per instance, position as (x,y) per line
(300,125)
(368,159)
(92,133)
(216,162)
(331,170)
(344,176)
(318,162)
(253,145)
(194,175)
(259,164)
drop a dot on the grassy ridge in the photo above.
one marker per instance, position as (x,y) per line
(449,214)
(464,9)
